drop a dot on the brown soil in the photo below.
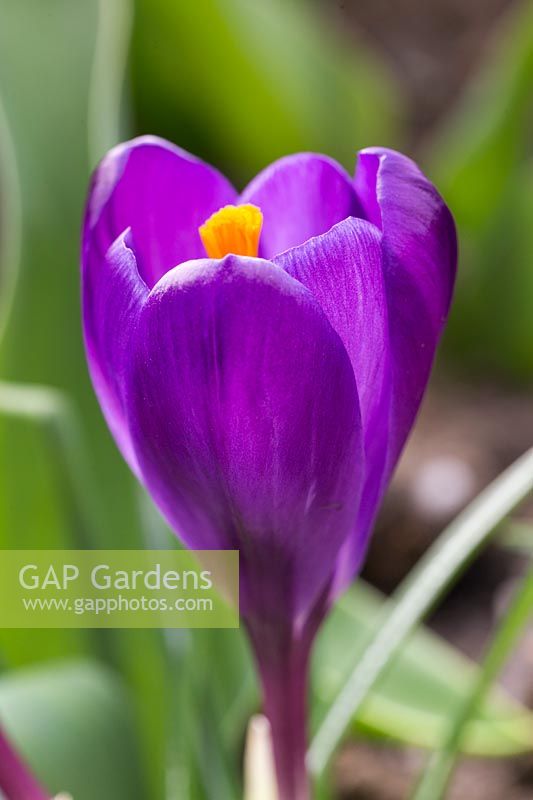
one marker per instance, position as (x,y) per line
(367,772)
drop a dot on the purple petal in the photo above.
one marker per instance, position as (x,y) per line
(16,780)
(300,196)
(113,294)
(159,191)
(343,269)
(245,418)
(419,262)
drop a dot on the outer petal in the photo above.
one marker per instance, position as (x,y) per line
(113,294)
(300,196)
(419,260)
(159,191)
(343,269)
(244,413)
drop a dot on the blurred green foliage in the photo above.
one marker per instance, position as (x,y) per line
(425,684)
(55,489)
(243,83)
(482,161)
(10,218)
(239,83)
(72,721)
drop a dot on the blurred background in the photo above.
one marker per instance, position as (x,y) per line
(147,715)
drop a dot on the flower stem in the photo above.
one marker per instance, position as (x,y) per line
(16,780)
(283,667)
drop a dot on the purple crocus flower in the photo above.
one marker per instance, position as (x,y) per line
(260,359)
(16,780)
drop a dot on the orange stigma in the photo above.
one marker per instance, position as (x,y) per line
(232,229)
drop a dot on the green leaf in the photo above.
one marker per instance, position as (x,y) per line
(72,721)
(422,588)
(106,107)
(47,413)
(37,427)
(210,677)
(436,777)
(425,683)
(259,80)
(10,221)
(58,83)
(203,749)
(39,424)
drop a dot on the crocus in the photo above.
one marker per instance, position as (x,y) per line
(260,359)
(16,780)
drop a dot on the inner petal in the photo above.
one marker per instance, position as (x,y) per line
(301,196)
(232,229)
